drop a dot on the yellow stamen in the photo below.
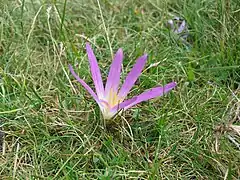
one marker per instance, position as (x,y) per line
(113,98)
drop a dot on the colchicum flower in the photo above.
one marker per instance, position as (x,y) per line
(111,98)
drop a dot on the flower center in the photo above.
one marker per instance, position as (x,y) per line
(112,98)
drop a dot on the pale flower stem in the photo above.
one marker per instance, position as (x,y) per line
(16,160)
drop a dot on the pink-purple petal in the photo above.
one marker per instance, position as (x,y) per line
(114,73)
(152,93)
(82,82)
(132,76)
(96,74)
(181,27)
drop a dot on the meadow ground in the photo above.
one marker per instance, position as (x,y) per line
(54,129)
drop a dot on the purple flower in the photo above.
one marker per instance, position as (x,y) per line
(111,98)
(179,26)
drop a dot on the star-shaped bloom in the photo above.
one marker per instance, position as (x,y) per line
(111,98)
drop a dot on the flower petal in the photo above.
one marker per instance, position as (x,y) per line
(114,73)
(84,84)
(132,76)
(152,93)
(96,74)
(181,27)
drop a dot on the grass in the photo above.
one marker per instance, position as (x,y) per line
(54,130)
